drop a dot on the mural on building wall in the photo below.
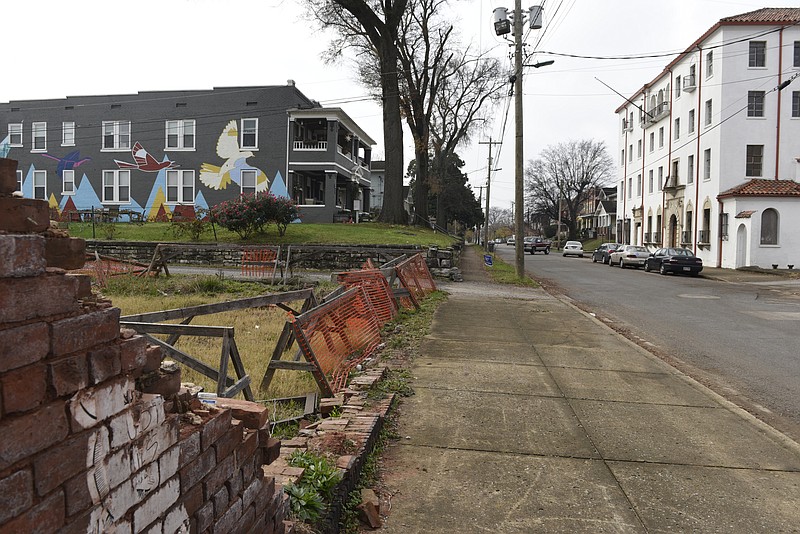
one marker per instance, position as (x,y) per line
(69,162)
(220,177)
(143,161)
(5,147)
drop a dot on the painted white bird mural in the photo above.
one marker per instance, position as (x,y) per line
(219,177)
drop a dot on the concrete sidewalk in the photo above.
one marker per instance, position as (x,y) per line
(531,416)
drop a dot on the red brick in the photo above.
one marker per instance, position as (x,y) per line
(192,499)
(153,358)
(8,176)
(156,504)
(272,450)
(217,477)
(194,472)
(235,484)
(84,331)
(132,353)
(65,252)
(166,383)
(22,299)
(104,363)
(221,502)
(32,432)
(24,389)
(23,345)
(214,428)
(76,491)
(16,494)
(47,516)
(228,442)
(58,464)
(251,414)
(69,374)
(190,448)
(246,520)
(84,284)
(24,215)
(21,255)
(89,407)
(205,517)
(176,520)
(251,492)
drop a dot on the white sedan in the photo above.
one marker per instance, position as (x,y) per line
(573,248)
(629,256)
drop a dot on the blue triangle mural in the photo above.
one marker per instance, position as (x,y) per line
(278,187)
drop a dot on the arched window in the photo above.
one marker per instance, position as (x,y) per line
(769,227)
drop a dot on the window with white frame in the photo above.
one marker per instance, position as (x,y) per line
(40,185)
(796,58)
(249,134)
(677,87)
(19,181)
(15,134)
(67,134)
(180,186)
(650,181)
(180,134)
(755,103)
(661,137)
(690,126)
(677,128)
(68,182)
(769,227)
(248,182)
(707,164)
(638,185)
(674,175)
(795,104)
(639,148)
(116,186)
(652,141)
(757,56)
(754,163)
(710,64)
(39,136)
(690,169)
(630,152)
(660,177)
(622,157)
(116,135)
(709,112)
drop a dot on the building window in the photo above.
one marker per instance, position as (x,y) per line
(40,185)
(690,169)
(709,112)
(796,62)
(249,133)
(677,87)
(652,141)
(795,104)
(67,134)
(690,126)
(248,180)
(622,157)
(660,177)
(630,187)
(116,135)
(180,135)
(769,227)
(19,181)
(39,136)
(755,160)
(661,137)
(755,103)
(674,176)
(758,54)
(677,128)
(15,134)
(707,164)
(180,186)
(710,64)
(639,148)
(68,182)
(116,187)
(723,225)
(638,185)
(630,152)
(650,181)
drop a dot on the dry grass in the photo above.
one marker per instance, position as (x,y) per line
(256,334)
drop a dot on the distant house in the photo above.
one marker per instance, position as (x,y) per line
(597,215)
(159,154)
(714,137)
(378,176)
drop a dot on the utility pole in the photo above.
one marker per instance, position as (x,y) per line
(488,188)
(518,154)
(480,202)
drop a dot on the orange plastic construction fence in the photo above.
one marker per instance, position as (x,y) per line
(415,276)
(260,263)
(377,288)
(338,335)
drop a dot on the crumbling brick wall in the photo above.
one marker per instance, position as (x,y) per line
(82,447)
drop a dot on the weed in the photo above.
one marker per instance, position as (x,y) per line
(305,504)
(309,496)
(285,430)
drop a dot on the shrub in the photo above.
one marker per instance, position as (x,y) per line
(191,228)
(251,214)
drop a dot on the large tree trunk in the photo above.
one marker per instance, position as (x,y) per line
(392,211)
(421,188)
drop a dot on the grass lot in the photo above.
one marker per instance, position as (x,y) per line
(504,273)
(303,233)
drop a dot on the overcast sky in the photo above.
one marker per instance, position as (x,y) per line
(55,49)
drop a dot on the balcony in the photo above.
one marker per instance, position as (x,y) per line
(689,84)
(657,113)
(703,237)
(656,238)
(672,183)
(320,146)
(686,237)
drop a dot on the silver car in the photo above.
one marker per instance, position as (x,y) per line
(629,256)
(573,248)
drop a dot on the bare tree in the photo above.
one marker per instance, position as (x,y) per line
(372,26)
(563,175)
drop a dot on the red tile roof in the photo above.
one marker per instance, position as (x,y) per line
(764,188)
(744,214)
(767,14)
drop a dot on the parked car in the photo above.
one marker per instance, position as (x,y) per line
(603,252)
(573,248)
(674,260)
(536,244)
(511,241)
(629,256)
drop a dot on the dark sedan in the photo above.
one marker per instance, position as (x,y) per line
(674,260)
(603,252)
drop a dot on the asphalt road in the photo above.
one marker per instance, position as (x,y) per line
(740,339)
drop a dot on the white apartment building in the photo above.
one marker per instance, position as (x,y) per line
(710,148)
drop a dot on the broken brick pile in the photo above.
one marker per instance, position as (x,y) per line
(90,440)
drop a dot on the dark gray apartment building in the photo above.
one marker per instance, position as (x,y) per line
(159,154)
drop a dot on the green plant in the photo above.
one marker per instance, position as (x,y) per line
(285,430)
(251,214)
(320,473)
(107,229)
(305,503)
(192,229)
